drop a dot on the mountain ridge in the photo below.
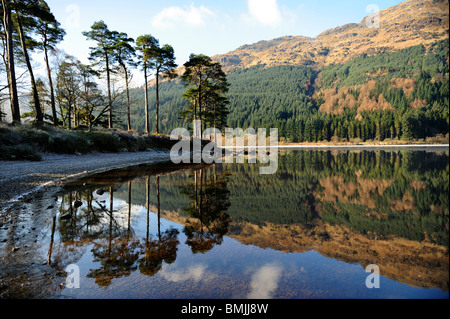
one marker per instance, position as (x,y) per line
(409,23)
(350,83)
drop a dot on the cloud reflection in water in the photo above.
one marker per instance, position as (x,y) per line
(196,273)
(265,282)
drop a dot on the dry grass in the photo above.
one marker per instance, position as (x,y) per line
(27,142)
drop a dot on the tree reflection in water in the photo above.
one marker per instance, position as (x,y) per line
(117,253)
(360,208)
(164,247)
(209,202)
(88,219)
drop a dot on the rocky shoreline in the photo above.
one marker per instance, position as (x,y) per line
(21,183)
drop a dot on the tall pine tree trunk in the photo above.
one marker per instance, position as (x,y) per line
(200,103)
(128,103)
(128,96)
(50,84)
(10,67)
(108,82)
(37,103)
(147,124)
(157,102)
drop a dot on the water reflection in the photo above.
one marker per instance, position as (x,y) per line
(265,281)
(89,216)
(163,247)
(209,201)
(229,231)
(196,273)
(387,208)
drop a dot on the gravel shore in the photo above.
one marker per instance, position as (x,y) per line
(21,178)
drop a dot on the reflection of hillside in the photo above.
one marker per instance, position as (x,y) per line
(415,263)
(385,208)
(392,193)
(419,264)
(403,194)
(361,191)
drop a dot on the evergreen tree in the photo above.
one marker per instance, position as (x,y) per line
(103,54)
(68,87)
(145,44)
(124,53)
(162,61)
(215,105)
(27,16)
(50,33)
(205,78)
(7,10)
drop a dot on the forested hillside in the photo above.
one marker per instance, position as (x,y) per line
(401,95)
(384,78)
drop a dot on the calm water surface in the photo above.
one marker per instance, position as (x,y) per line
(225,231)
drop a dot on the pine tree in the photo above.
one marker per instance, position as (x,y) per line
(144,44)
(123,54)
(50,33)
(28,14)
(162,61)
(103,55)
(68,85)
(208,85)
(7,9)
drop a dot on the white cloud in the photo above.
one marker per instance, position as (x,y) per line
(191,16)
(266,12)
(265,282)
(196,273)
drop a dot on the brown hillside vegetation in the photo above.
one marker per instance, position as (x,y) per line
(409,23)
(336,100)
(406,84)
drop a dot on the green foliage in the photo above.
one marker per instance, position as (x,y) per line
(252,102)
(207,87)
(406,63)
(18,152)
(282,97)
(263,97)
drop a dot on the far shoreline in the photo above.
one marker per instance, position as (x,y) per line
(295,146)
(364,146)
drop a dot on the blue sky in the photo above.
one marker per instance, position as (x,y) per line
(205,26)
